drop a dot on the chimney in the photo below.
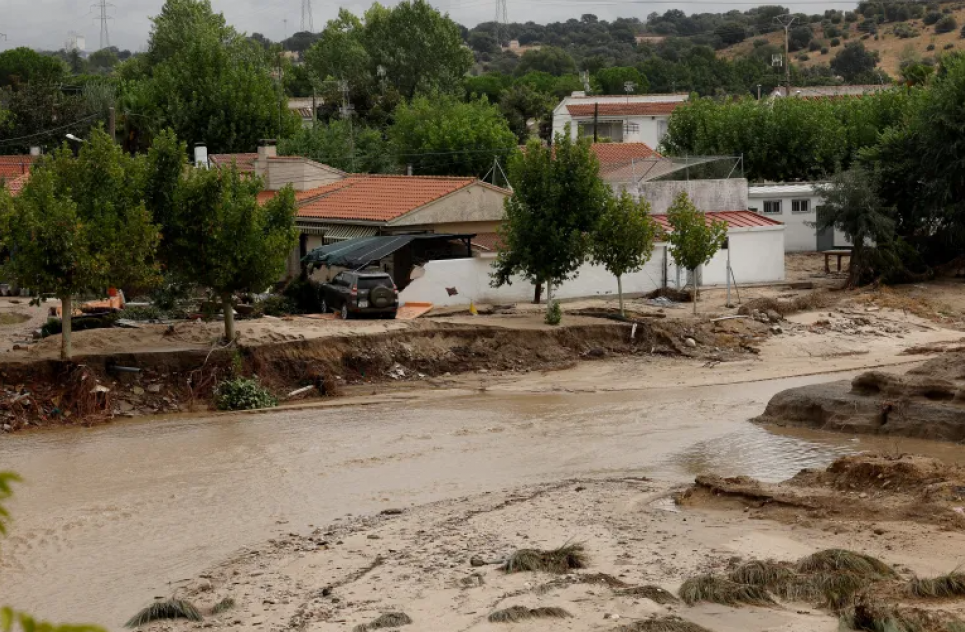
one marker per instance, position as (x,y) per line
(35,151)
(201,156)
(267,148)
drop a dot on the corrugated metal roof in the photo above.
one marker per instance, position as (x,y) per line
(734,219)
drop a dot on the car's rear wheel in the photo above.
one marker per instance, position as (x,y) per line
(345,313)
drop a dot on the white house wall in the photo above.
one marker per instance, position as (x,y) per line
(799,236)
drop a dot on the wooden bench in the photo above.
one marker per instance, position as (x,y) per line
(840,254)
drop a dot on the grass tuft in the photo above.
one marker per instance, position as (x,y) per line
(721,590)
(838,560)
(224,605)
(662,624)
(171,609)
(655,594)
(867,615)
(387,620)
(829,590)
(950,585)
(522,613)
(760,573)
(562,560)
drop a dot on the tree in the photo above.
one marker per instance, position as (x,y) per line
(483,42)
(946,25)
(103,61)
(23,65)
(339,53)
(240,103)
(853,60)
(521,103)
(227,241)
(557,200)
(623,240)
(851,205)
(166,163)
(799,37)
(420,49)
(614,80)
(340,144)
(80,225)
(442,135)
(693,239)
(548,59)
(490,85)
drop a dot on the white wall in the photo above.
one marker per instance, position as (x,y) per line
(757,256)
(651,129)
(707,195)
(470,277)
(799,236)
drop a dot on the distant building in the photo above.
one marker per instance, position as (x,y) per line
(76,43)
(618,119)
(796,205)
(830,92)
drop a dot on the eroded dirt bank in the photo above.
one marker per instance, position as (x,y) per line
(442,564)
(927,402)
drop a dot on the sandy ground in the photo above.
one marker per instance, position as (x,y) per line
(419,562)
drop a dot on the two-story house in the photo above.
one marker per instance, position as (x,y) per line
(617,119)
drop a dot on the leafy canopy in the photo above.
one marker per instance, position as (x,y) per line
(693,239)
(624,237)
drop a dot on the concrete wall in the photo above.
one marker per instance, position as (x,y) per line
(757,256)
(799,236)
(475,203)
(708,195)
(301,173)
(448,227)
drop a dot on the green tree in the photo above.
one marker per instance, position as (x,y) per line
(340,54)
(103,61)
(548,59)
(623,240)
(693,239)
(441,135)
(340,144)
(420,49)
(490,85)
(23,65)
(80,225)
(557,200)
(854,60)
(614,80)
(240,102)
(521,103)
(851,205)
(227,241)
(166,163)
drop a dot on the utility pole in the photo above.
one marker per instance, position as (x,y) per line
(285,32)
(102,7)
(346,112)
(596,120)
(502,19)
(786,20)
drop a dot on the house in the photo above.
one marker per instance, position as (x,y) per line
(15,171)
(796,206)
(337,206)
(623,166)
(620,119)
(305,108)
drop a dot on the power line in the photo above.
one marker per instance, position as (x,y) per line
(49,131)
(502,20)
(307,23)
(102,7)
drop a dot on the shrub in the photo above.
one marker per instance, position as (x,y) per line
(832,31)
(948,46)
(153,312)
(554,315)
(850,16)
(242,393)
(835,42)
(946,25)
(904,31)
(824,50)
(814,46)
(305,294)
(275,305)
(865,36)
(803,57)
(930,47)
(932,17)
(760,42)
(962,33)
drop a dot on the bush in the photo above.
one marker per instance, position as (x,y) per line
(835,42)
(946,25)
(930,47)
(962,34)
(554,314)
(153,312)
(305,295)
(824,50)
(932,17)
(760,42)
(814,46)
(54,326)
(803,57)
(275,305)
(832,31)
(242,393)
(948,46)
(850,16)
(865,36)
(904,31)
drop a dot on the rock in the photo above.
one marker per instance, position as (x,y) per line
(595,352)
(392,512)
(137,390)
(154,388)
(777,330)
(773,316)
(690,342)
(7,427)
(125,406)
(477,561)
(372,536)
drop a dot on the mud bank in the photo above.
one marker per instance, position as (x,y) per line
(927,403)
(94,389)
(443,564)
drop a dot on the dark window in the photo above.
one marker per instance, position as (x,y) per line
(368,283)
(800,206)
(772,207)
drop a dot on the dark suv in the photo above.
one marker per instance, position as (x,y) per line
(352,293)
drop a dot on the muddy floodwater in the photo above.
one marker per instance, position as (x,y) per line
(111,517)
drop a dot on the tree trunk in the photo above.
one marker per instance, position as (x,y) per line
(229,317)
(549,295)
(66,311)
(539,292)
(693,274)
(855,265)
(620,293)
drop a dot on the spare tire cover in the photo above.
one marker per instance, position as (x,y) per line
(381,296)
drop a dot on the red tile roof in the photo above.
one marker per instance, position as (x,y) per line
(624,109)
(244,162)
(377,198)
(16,185)
(14,166)
(609,153)
(486,241)
(734,219)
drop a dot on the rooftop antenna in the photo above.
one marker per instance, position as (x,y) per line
(102,7)
(629,87)
(307,23)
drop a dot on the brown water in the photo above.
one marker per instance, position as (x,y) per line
(111,517)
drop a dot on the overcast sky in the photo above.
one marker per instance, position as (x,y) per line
(47,23)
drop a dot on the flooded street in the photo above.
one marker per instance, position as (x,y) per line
(109,518)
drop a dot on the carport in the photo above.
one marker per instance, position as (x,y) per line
(405,251)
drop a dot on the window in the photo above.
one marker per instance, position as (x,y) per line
(800,206)
(772,207)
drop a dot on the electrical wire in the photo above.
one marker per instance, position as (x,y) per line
(49,131)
